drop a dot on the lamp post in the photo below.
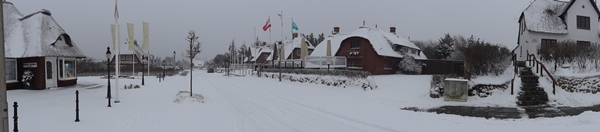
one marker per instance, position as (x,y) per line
(174,62)
(108,55)
(143,70)
(163,76)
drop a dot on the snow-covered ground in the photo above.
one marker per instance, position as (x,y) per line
(257,104)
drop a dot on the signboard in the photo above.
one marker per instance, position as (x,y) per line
(30,65)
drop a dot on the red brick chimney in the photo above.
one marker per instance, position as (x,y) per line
(336,30)
(393,30)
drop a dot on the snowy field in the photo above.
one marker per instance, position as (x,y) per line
(251,104)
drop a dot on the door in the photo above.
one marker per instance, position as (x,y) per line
(51,79)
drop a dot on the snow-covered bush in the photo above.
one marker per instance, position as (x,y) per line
(584,57)
(27,77)
(437,86)
(332,72)
(183,95)
(408,65)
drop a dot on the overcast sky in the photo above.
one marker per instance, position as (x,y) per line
(218,22)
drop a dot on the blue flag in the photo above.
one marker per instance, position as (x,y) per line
(294,26)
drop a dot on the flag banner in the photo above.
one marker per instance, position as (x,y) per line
(113,30)
(116,11)
(294,26)
(267,25)
(281,17)
(130,32)
(146,45)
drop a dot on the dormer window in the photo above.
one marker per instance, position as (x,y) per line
(355,44)
(583,22)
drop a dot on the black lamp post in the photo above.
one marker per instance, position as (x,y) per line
(108,55)
(163,76)
(143,68)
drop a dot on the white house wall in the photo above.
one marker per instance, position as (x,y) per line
(530,41)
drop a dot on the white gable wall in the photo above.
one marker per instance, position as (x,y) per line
(529,41)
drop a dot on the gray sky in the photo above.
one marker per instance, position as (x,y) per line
(218,22)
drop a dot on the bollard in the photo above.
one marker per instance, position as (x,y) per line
(77,106)
(16,129)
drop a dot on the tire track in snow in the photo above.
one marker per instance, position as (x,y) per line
(309,114)
(248,109)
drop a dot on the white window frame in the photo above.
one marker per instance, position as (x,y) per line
(16,79)
(63,71)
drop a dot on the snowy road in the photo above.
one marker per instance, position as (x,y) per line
(257,109)
(251,104)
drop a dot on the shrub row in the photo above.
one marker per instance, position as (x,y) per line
(329,81)
(324,72)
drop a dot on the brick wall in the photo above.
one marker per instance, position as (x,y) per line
(39,73)
(371,61)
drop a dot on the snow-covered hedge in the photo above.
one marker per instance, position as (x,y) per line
(324,72)
(338,81)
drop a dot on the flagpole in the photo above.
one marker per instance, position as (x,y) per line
(118,61)
(148,60)
(281,16)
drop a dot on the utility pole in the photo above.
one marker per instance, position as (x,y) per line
(3,103)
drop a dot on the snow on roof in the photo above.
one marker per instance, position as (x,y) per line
(380,40)
(35,35)
(290,45)
(544,16)
(256,51)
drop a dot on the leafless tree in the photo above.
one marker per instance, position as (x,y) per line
(194,49)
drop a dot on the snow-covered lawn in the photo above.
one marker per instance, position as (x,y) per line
(257,104)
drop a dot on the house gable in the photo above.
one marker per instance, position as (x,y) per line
(591,3)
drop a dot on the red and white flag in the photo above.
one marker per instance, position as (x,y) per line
(267,25)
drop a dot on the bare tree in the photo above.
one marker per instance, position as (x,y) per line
(194,49)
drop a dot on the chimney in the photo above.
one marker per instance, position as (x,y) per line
(336,30)
(294,35)
(393,30)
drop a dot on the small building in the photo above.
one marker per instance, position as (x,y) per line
(36,43)
(370,49)
(293,47)
(258,54)
(547,22)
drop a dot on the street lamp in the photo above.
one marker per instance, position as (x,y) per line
(174,62)
(143,70)
(108,55)
(163,76)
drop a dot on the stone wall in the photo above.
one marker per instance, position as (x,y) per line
(580,84)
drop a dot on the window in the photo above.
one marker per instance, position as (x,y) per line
(354,63)
(546,42)
(583,43)
(583,22)
(69,69)
(298,52)
(387,65)
(10,69)
(66,68)
(355,44)
(413,51)
(48,70)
